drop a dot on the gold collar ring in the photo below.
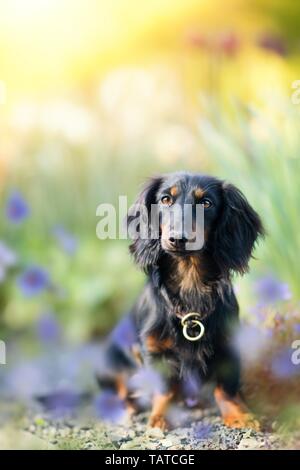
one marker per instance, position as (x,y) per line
(188,322)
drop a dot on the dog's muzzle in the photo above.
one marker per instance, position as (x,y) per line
(191,323)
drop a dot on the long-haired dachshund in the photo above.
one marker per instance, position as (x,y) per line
(188,309)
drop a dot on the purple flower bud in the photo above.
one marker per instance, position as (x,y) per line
(66,240)
(270,290)
(33,281)
(16,208)
(282,366)
(109,407)
(47,328)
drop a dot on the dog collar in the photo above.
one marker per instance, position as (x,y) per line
(189,322)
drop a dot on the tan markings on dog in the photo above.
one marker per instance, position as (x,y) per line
(136,352)
(122,392)
(155,345)
(174,191)
(190,273)
(234,412)
(159,408)
(121,387)
(199,193)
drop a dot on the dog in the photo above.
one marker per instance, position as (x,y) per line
(187,311)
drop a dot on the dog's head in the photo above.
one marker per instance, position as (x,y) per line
(172,207)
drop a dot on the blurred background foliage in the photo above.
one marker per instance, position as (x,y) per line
(96,96)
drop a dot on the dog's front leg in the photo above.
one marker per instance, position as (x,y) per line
(160,405)
(234,412)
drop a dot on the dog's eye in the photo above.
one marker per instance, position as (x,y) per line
(166,200)
(206,203)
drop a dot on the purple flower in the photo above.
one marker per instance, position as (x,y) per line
(229,43)
(33,281)
(124,334)
(282,366)
(25,380)
(66,240)
(270,290)
(272,43)
(60,403)
(110,407)
(296,328)
(191,389)
(202,431)
(48,328)
(145,383)
(16,208)
(251,342)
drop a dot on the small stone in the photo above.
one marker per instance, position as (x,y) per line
(248,443)
(114,437)
(166,442)
(157,433)
(150,445)
(177,441)
(134,444)
(52,431)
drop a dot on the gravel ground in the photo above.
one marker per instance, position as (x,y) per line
(195,429)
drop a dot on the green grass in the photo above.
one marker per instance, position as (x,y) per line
(260,155)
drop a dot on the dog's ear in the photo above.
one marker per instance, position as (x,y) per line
(236,232)
(145,249)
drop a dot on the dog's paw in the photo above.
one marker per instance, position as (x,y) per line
(158,421)
(241,420)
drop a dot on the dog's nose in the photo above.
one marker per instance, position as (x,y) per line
(178,242)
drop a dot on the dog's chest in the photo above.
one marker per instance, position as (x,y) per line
(179,352)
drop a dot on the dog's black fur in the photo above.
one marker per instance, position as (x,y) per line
(181,281)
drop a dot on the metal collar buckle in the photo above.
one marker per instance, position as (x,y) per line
(188,322)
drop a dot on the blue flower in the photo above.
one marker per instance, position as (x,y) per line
(282,365)
(191,389)
(25,380)
(48,328)
(110,407)
(270,290)
(146,382)
(66,240)
(202,431)
(33,281)
(251,342)
(296,328)
(7,259)
(60,403)
(124,334)
(16,208)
